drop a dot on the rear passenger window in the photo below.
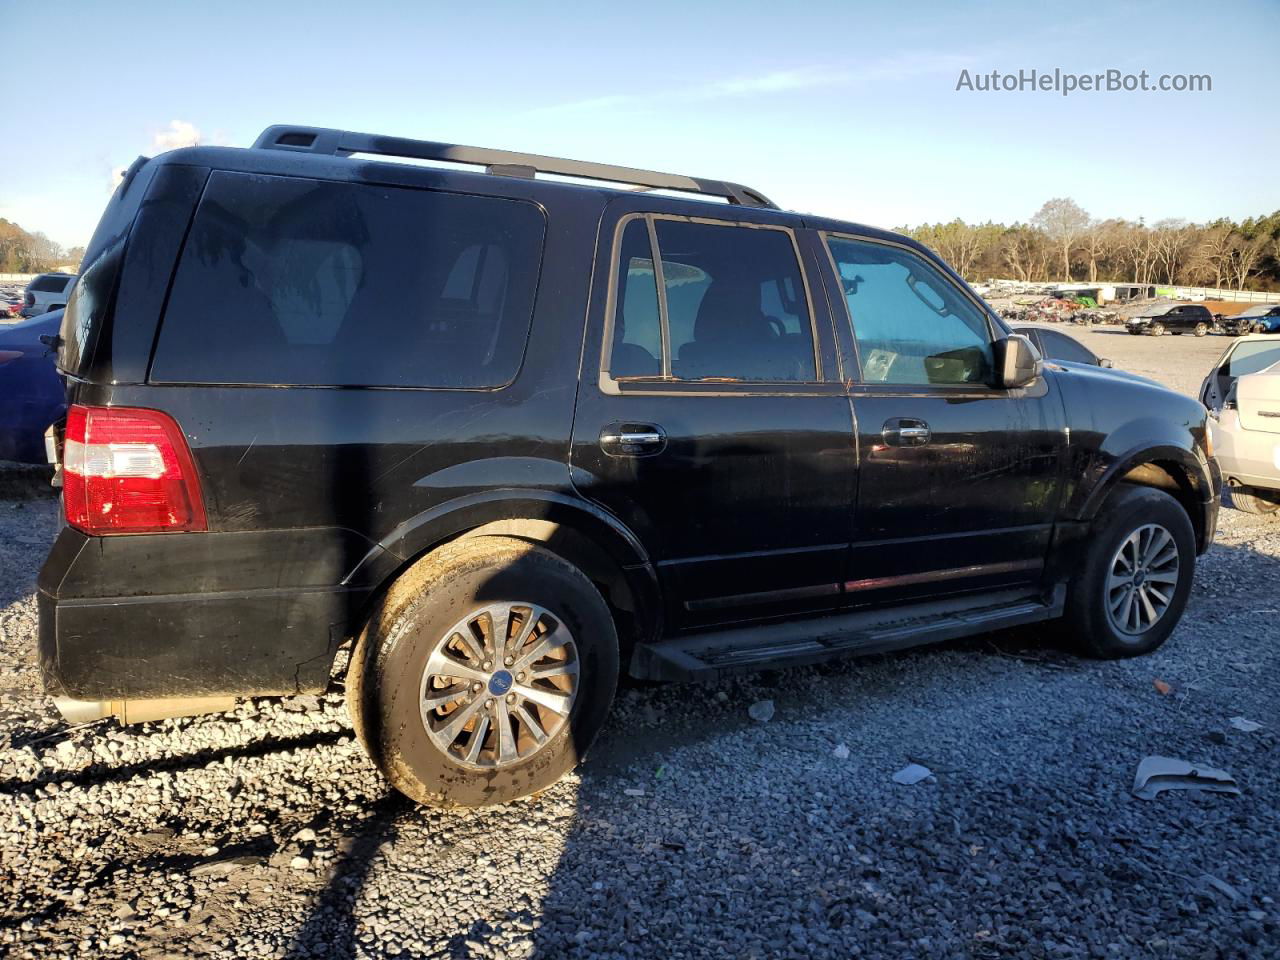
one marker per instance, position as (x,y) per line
(297,282)
(1058,346)
(637,333)
(735,304)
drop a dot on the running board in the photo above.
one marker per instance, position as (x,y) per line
(790,643)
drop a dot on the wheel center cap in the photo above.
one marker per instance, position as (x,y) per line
(500,682)
(1139,577)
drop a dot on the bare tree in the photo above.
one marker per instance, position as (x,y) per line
(1171,240)
(1024,251)
(1063,220)
(1245,254)
(1100,240)
(1212,255)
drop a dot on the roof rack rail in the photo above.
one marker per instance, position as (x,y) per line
(343,143)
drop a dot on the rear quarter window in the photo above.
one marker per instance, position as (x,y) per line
(50,284)
(288,281)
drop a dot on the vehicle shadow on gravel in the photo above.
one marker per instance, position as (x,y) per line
(701,826)
(332,918)
(100,773)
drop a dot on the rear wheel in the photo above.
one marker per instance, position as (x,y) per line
(1156,329)
(1255,501)
(1136,577)
(485,674)
(1201,329)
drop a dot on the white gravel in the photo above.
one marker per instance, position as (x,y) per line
(694,830)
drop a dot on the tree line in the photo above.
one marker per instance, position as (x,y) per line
(1062,242)
(23,252)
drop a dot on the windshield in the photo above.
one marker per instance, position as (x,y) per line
(1250,357)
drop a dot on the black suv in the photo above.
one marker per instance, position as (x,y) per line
(512,435)
(1173,318)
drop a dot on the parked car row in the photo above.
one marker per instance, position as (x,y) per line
(11,301)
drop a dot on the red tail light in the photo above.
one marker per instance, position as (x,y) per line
(127,470)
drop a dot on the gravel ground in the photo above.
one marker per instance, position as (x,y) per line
(694,830)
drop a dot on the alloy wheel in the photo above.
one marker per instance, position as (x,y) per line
(1142,579)
(499,685)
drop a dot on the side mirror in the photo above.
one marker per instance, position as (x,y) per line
(1104,362)
(1018,362)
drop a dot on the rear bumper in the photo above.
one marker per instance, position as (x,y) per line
(217,637)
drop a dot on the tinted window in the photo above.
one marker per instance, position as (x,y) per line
(294,281)
(735,303)
(913,326)
(637,333)
(49,284)
(1058,346)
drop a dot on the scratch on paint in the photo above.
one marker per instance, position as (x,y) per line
(247,449)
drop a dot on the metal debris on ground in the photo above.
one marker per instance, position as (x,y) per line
(912,774)
(1248,726)
(1157,774)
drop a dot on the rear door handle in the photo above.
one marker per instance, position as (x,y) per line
(632,439)
(905,432)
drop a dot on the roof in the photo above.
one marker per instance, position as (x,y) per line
(1260,310)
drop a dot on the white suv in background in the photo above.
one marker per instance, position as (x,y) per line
(48,291)
(1242,394)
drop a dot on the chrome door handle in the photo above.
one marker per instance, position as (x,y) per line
(905,432)
(632,439)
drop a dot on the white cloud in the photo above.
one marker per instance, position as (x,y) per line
(901,67)
(178,134)
(775,81)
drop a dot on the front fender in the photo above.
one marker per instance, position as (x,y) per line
(1112,467)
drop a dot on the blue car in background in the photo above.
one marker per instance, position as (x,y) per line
(31,391)
(1264,318)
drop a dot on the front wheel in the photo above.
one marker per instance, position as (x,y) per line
(1255,501)
(1156,329)
(1201,329)
(485,673)
(1136,577)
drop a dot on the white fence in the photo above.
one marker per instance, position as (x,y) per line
(1217,293)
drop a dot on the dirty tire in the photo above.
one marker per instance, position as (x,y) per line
(1156,330)
(1127,509)
(1250,500)
(1201,329)
(387,664)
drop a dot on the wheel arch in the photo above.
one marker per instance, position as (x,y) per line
(590,538)
(1173,469)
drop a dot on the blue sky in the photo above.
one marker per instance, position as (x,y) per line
(843,108)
